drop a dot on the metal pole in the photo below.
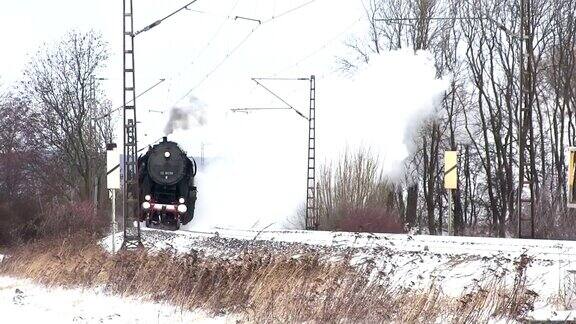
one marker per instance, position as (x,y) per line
(450,215)
(311,213)
(113,220)
(131,205)
(95,195)
(311,217)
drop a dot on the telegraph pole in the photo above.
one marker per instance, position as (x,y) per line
(131,205)
(311,210)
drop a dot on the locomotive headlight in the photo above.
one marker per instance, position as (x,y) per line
(166,154)
(181,200)
(147,197)
(146,205)
(182,209)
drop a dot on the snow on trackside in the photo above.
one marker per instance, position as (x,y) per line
(24,302)
(410,261)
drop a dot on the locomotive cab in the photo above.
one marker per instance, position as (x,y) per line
(167,190)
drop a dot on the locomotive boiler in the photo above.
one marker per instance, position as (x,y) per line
(166,182)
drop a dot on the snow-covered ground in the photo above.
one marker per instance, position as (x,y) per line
(24,302)
(455,264)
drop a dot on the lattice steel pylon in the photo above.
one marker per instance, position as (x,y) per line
(311,221)
(311,208)
(527,178)
(131,205)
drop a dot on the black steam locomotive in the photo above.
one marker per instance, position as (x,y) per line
(166,182)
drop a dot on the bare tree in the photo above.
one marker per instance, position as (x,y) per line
(60,85)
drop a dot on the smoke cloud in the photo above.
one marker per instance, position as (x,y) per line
(255,174)
(182,117)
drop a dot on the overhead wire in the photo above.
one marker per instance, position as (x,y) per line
(129,102)
(217,66)
(145,29)
(314,52)
(211,39)
(224,16)
(237,46)
(289,11)
(159,21)
(320,48)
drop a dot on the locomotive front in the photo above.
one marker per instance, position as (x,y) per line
(167,191)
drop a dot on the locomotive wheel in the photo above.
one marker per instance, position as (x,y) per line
(177,225)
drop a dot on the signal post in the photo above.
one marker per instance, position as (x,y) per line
(450,183)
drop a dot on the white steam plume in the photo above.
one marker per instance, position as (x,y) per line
(256,173)
(380,108)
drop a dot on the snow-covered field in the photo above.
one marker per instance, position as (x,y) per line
(456,264)
(24,302)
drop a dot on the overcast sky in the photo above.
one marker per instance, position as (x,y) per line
(189,46)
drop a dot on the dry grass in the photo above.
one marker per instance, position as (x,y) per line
(264,287)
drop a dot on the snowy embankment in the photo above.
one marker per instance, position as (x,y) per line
(24,302)
(456,265)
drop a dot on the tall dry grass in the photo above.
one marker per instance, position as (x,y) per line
(265,286)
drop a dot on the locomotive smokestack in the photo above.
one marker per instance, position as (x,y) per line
(164,139)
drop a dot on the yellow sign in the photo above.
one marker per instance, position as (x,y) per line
(571,178)
(571,169)
(451,169)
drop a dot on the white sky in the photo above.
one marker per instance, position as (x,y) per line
(178,49)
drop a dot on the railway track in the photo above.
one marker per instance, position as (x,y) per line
(553,250)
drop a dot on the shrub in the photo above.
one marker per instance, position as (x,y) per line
(355,195)
(369,219)
(71,217)
(17,221)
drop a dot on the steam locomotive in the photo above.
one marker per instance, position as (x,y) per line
(166,182)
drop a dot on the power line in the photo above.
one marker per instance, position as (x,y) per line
(277,96)
(220,15)
(249,19)
(217,66)
(159,21)
(258,108)
(212,38)
(129,102)
(216,33)
(320,48)
(427,18)
(314,52)
(262,23)
(288,11)
(496,23)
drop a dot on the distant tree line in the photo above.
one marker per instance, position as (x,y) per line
(478,113)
